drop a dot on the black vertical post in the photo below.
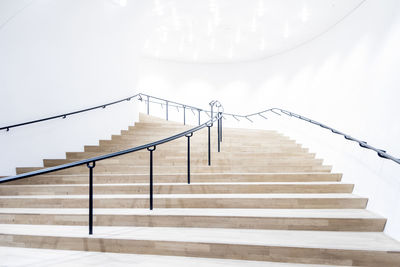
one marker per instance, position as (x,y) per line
(91,165)
(151,175)
(148,105)
(209,144)
(219,137)
(166,109)
(199,115)
(184,115)
(220,125)
(188,156)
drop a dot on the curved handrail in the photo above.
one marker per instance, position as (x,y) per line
(110,155)
(381,153)
(139,97)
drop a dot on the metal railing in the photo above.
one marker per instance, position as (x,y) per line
(277,111)
(151,147)
(140,96)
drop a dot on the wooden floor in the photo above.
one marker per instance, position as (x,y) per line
(265,198)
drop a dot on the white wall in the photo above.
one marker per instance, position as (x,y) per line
(57,57)
(347,78)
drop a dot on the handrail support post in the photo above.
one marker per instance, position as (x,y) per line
(219,134)
(151,175)
(166,109)
(199,116)
(184,115)
(148,105)
(188,157)
(209,144)
(91,166)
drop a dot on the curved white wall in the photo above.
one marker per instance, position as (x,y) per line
(348,78)
(61,56)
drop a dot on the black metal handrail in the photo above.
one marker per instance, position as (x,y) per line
(381,153)
(151,147)
(140,96)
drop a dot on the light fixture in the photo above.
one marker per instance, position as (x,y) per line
(212,44)
(253,27)
(210,27)
(305,14)
(196,55)
(158,9)
(230,54)
(146,44)
(181,44)
(262,44)
(260,9)
(238,35)
(286,31)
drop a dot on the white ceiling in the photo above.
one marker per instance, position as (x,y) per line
(220,31)
(197,31)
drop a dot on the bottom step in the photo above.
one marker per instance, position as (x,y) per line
(322,247)
(11,257)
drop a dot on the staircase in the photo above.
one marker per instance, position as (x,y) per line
(264,198)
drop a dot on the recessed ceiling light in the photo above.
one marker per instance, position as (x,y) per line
(238,35)
(305,14)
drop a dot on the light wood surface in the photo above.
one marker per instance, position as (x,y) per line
(265,198)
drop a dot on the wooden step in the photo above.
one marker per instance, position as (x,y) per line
(195,161)
(178,188)
(358,220)
(222,154)
(181,178)
(183,168)
(247,201)
(322,247)
(12,256)
(272,149)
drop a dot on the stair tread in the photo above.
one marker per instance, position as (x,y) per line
(373,241)
(188,196)
(294,213)
(183,184)
(11,256)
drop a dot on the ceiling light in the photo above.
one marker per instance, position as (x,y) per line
(212,44)
(175,19)
(262,44)
(191,37)
(286,31)
(158,9)
(209,28)
(230,54)
(146,44)
(253,27)
(260,9)
(196,55)
(157,53)
(238,35)
(305,14)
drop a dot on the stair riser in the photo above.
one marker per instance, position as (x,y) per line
(273,223)
(176,189)
(207,250)
(203,149)
(194,154)
(227,133)
(203,161)
(179,178)
(199,142)
(245,203)
(183,169)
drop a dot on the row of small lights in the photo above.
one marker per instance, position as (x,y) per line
(213,23)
